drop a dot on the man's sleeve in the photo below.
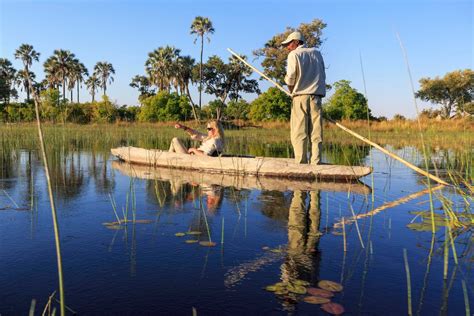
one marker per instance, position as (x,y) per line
(290,77)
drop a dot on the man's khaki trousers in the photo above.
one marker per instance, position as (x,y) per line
(306,128)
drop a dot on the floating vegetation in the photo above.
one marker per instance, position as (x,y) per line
(440,220)
(180,234)
(319,292)
(115,227)
(191,241)
(316,300)
(193,233)
(207,243)
(330,286)
(276,250)
(297,289)
(124,222)
(333,308)
(281,288)
(271,288)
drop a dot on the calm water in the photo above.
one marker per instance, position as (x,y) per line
(271,232)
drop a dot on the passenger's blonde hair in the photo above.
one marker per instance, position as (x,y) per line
(217,126)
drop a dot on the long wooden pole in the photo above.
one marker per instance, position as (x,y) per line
(362,138)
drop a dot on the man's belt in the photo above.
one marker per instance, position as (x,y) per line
(315,95)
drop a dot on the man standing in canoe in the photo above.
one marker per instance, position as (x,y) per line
(306,80)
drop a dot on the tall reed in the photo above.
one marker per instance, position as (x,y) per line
(50,193)
(425,155)
(407,270)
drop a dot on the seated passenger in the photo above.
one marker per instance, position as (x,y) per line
(212,143)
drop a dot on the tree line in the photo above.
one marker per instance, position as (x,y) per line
(164,88)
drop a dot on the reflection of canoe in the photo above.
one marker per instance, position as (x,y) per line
(256,166)
(239,182)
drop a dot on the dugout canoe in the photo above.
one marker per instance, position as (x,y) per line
(177,177)
(237,165)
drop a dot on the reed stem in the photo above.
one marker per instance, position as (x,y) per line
(357,227)
(407,270)
(114,208)
(32,308)
(10,198)
(51,198)
(222,231)
(423,146)
(446,254)
(466,298)
(207,224)
(344,234)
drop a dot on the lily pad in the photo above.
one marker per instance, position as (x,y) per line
(116,227)
(330,286)
(281,292)
(316,300)
(193,233)
(207,243)
(191,241)
(297,289)
(281,284)
(180,234)
(301,282)
(319,292)
(422,227)
(110,223)
(271,288)
(333,308)
(143,221)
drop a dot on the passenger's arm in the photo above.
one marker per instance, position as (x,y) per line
(195,151)
(191,132)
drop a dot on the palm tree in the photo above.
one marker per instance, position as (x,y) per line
(60,64)
(184,76)
(104,70)
(92,84)
(200,27)
(51,73)
(142,83)
(82,71)
(76,76)
(22,80)
(71,82)
(8,75)
(161,66)
(27,54)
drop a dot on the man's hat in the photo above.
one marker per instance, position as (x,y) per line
(293,36)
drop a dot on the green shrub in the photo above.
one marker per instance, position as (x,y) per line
(165,106)
(272,105)
(346,103)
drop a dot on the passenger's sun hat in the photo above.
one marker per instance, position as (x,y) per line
(293,36)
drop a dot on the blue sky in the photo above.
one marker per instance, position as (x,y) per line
(437,35)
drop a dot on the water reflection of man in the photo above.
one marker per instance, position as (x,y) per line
(302,259)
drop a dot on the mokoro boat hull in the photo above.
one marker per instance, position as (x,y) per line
(253,166)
